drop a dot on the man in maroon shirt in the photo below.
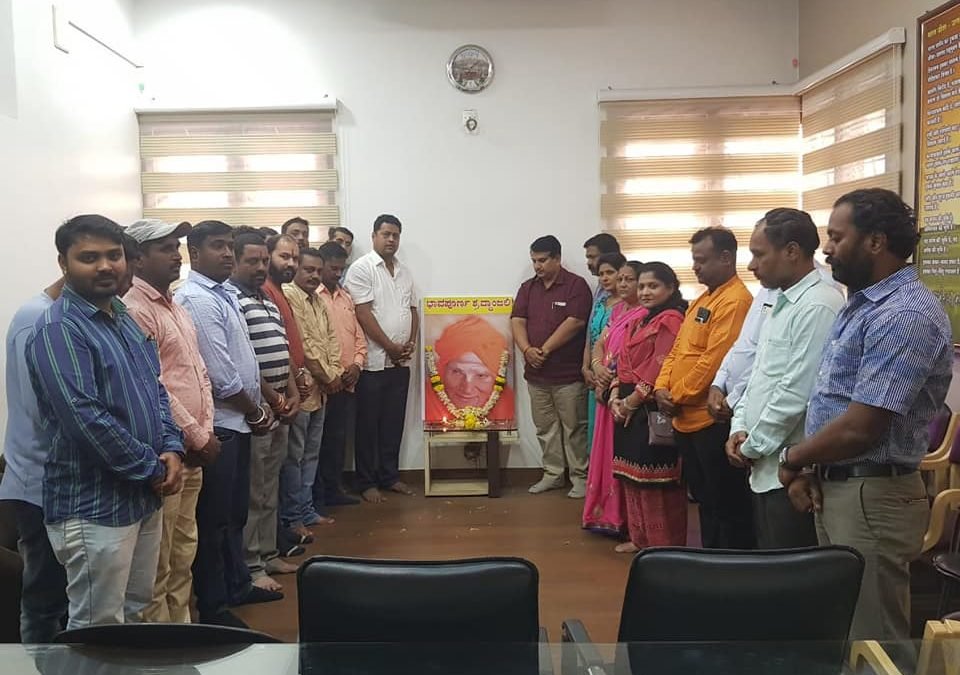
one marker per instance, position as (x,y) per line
(549,326)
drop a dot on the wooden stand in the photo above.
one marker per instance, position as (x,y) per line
(462,487)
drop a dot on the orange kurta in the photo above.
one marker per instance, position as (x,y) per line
(700,347)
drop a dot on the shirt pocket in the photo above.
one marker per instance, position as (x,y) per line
(700,334)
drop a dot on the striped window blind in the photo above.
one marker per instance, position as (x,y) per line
(244,168)
(671,167)
(851,132)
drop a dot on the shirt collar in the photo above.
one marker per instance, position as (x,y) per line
(882,289)
(732,281)
(309,296)
(87,308)
(796,291)
(204,280)
(561,278)
(246,291)
(150,291)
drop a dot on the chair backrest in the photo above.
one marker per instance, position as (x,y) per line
(954,455)
(937,428)
(148,635)
(351,600)
(698,595)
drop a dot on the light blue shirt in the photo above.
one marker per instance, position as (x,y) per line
(734,371)
(774,403)
(891,347)
(27,443)
(224,345)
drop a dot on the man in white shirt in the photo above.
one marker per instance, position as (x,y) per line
(771,412)
(382,289)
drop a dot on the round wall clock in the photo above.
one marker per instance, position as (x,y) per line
(470,69)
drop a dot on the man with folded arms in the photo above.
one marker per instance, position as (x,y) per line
(115,449)
(183,374)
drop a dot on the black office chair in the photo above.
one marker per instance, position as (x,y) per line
(376,616)
(761,599)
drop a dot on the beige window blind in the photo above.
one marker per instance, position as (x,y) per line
(671,167)
(244,168)
(851,132)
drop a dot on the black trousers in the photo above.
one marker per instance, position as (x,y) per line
(381,409)
(721,490)
(220,573)
(778,524)
(43,603)
(341,407)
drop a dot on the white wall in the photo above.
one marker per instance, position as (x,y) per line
(470,204)
(70,145)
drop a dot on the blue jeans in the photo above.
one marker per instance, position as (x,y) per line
(299,471)
(43,604)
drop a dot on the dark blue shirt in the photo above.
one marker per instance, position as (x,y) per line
(96,381)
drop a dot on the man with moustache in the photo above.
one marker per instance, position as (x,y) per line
(299,229)
(322,358)
(382,288)
(220,575)
(342,236)
(115,449)
(709,329)
(284,261)
(279,388)
(770,413)
(885,373)
(156,265)
(549,328)
(341,406)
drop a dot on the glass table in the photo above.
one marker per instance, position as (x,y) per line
(888,658)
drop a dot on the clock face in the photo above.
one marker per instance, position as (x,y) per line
(470,69)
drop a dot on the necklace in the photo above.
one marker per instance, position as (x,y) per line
(467,417)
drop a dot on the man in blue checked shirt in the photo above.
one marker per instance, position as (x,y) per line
(885,371)
(115,448)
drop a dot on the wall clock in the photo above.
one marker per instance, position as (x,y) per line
(470,69)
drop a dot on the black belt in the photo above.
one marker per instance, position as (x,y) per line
(863,470)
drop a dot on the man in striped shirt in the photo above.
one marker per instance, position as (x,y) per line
(116,449)
(885,372)
(279,388)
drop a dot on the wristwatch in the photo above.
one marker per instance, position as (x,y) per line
(785,462)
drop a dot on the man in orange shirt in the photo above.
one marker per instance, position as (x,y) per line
(710,328)
(341,405)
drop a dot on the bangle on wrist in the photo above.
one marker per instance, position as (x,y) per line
(259,420)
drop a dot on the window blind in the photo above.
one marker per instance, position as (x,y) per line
(851,132)
(671,167)
(244,168)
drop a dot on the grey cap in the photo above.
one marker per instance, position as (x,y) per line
(153,229)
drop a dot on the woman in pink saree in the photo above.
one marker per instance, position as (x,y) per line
(604,510)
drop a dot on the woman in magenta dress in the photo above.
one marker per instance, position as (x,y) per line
(603,509)
(649,473)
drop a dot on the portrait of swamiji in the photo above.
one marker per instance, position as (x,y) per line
(468,356)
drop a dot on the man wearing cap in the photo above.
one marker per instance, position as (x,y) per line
(191,401)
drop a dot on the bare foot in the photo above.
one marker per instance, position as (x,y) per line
(280,566)
(626,547)
(401,488)
(322,520)
(372,495)
(267,583)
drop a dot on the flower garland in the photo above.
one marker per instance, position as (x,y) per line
(468,417)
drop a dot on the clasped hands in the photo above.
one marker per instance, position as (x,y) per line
(536,356)
(172,480)
(400,353)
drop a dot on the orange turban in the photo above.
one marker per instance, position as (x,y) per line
(471,334)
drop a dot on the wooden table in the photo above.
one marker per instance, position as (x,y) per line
(448,487)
